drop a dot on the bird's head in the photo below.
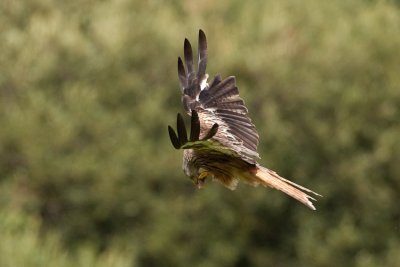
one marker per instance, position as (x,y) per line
(196,174)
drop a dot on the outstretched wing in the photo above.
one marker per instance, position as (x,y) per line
(216,103)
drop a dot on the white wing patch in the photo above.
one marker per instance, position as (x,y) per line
(203,83)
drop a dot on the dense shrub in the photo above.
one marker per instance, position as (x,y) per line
(87,89)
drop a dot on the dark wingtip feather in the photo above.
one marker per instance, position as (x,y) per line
(217,79)
(202,41)
(211,132)
(186,44)
(201,33)
(182,73)
(195,127)
(173,137)
(202,55)
(180,124)
(188,52)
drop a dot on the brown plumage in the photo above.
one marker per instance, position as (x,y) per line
(223,141)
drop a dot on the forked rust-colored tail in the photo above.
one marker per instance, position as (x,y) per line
(270,178)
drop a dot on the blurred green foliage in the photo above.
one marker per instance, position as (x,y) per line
(22,245)
(88,176)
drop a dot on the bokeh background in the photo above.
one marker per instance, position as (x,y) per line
(88,176)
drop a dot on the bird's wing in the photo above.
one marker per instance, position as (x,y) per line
(216,103)
(202,136)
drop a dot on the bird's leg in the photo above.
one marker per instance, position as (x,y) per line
(203,175)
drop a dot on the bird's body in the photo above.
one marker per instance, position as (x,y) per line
(223,140)
(224,168)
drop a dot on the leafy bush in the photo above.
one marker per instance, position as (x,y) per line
(23,244)
(86,92)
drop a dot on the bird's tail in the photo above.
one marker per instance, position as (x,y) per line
(270,178)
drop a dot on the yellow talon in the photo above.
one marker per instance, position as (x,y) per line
(202,175)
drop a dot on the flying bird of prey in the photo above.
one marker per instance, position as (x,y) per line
(223,141)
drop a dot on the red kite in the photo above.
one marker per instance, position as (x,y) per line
(223,141)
